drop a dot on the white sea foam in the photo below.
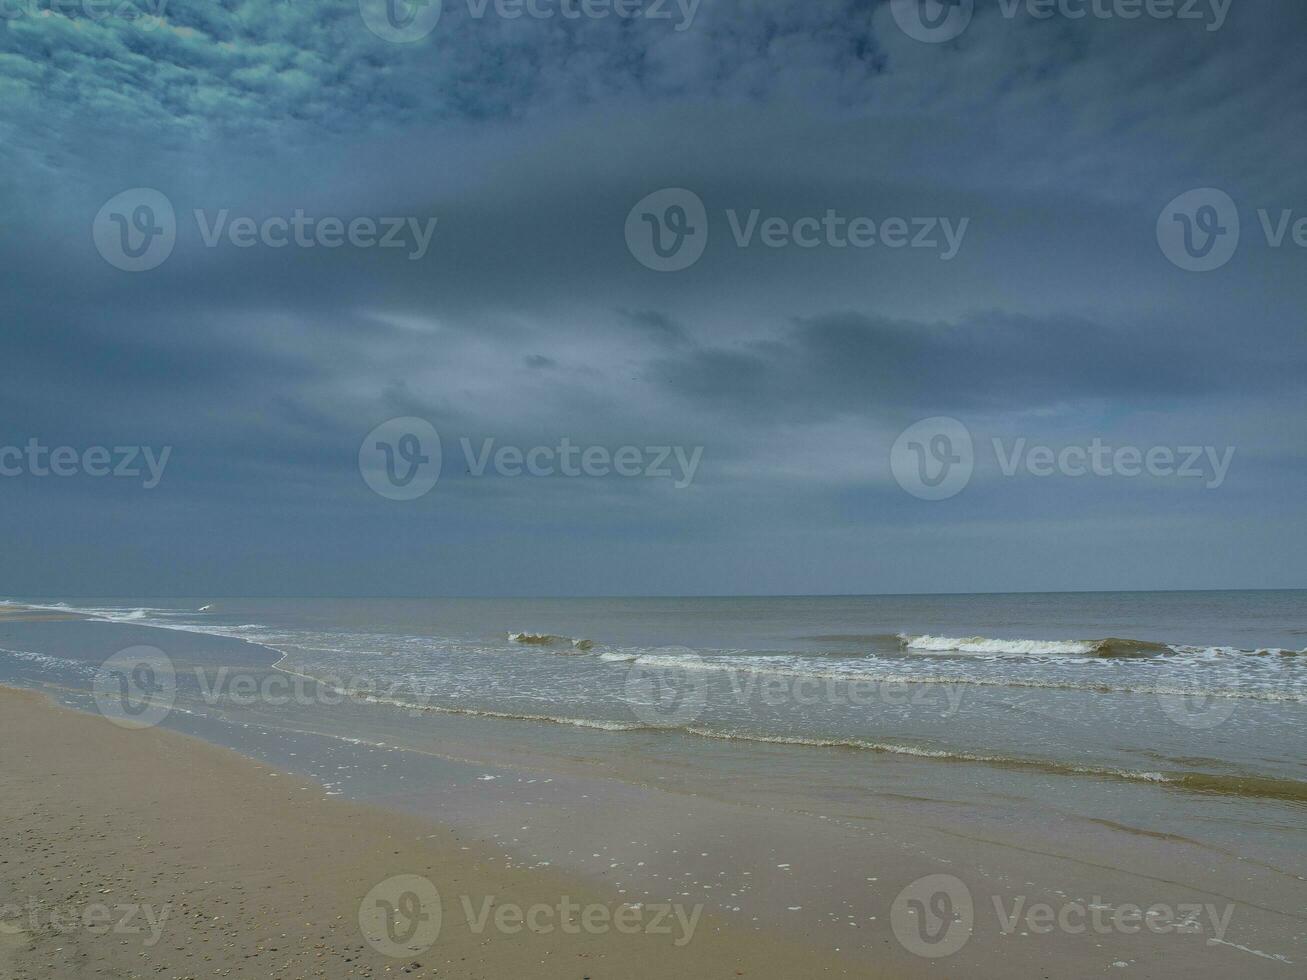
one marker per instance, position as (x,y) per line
(600,724)
(921,752)
(865,672)
(986,645)
(46,660)
(117,615)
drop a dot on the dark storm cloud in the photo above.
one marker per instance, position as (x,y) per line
(529,319)
(851,363)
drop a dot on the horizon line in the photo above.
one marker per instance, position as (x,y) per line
(668,595)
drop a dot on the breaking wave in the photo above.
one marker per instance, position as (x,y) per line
(1114,647)
(1110,647)
(551,640)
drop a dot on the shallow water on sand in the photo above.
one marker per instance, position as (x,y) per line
(1206,690)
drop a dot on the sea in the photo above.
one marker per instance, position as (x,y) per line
(1084,723)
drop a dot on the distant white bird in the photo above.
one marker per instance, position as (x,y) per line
(205,608)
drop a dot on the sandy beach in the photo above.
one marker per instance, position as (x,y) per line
(151,854)
(263,830)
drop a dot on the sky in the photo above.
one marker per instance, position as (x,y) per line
(836,302)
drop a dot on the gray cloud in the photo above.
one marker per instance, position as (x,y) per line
(851,363)
(529,320)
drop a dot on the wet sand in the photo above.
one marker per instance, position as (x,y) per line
(22,614)
(150,854)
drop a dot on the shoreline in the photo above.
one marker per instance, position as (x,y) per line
(771,861)
(1250,785)
(234,868)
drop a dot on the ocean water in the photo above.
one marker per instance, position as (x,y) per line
(795,762)
(1204,690)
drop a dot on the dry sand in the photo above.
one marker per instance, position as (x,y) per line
(113,838)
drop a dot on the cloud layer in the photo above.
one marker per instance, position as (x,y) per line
(529,319)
